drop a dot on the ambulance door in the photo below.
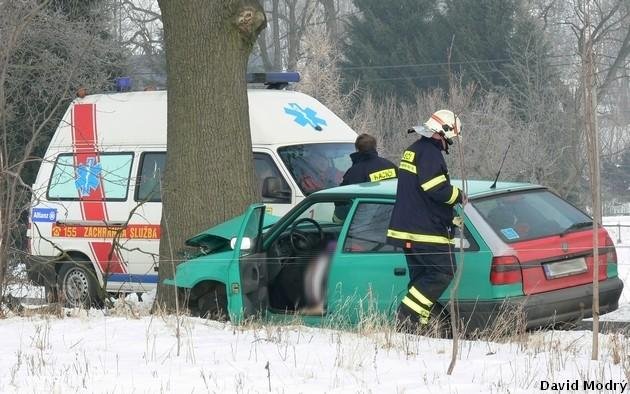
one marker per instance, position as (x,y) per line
(142,243)
(92,188)
(271,184)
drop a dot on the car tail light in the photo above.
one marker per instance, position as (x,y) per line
(505,270)
(611,252)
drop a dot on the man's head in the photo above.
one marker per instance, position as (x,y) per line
(442,125)
(365,143)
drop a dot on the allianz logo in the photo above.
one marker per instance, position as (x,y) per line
(44,215)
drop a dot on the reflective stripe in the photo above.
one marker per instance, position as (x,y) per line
(454,196)
(409,156)
(419,309)
(438,119)
(434,239)
(433,182)
(420,297)
(407,167)
(383,174)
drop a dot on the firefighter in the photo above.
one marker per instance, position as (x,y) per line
(367,166)
(422,218)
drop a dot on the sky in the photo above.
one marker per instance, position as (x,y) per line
(126,350)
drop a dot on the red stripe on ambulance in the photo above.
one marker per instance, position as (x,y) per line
(93,208)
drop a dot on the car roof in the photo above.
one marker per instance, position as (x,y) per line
(475,188)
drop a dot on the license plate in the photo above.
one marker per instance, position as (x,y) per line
(559,269)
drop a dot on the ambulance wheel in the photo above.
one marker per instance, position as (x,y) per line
(78,286)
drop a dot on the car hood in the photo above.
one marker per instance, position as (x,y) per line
(213,267)
(219,236)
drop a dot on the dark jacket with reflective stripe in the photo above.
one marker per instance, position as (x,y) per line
(368,167)
(423,213)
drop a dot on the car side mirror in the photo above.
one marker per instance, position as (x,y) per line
(272,188)
(246,243)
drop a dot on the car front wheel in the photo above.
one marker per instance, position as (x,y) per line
(209,300)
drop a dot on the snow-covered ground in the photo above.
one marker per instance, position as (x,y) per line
(619,230)
(127,351)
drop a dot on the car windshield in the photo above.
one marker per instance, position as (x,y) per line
(520,216)
(317,166)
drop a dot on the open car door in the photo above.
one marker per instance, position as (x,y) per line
(252,263)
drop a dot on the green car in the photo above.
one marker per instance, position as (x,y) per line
(521,246)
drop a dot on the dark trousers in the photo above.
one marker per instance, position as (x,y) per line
(430,271)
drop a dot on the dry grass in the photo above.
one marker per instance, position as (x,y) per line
(357,348)
(358,345)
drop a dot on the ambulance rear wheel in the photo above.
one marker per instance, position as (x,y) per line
(78,286)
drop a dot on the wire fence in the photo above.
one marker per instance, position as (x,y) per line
(616,233)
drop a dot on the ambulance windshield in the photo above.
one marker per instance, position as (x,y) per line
(317,166)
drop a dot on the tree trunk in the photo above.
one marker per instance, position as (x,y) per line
(277,47)
(208,176)
(590,120)
(293,36)
(331,16)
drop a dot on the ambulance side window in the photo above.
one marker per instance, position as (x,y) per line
(150,176)
(270,184)
(91,176)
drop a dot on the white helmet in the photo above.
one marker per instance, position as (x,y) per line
(443,122)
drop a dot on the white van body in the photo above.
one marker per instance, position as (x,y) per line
(108,151)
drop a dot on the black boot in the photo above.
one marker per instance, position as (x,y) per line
(407,320)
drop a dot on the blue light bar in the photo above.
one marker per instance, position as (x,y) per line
(273,78)
(123,84)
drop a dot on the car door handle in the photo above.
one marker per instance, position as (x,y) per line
(400,271)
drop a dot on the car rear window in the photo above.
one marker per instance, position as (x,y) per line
(519,216)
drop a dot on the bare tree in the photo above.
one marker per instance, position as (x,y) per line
(331,17)
(488,125)
(43,59)
(320,76)
(138,29)
(139,25)
(592,137)
(291,25)
(565,23)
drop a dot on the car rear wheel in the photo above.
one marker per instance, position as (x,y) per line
(78,286)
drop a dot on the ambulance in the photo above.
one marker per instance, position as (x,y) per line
(94,225)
